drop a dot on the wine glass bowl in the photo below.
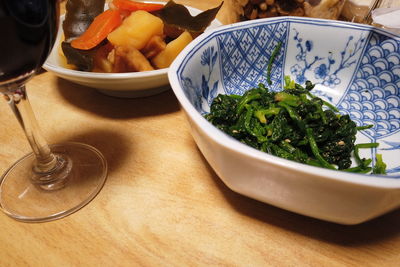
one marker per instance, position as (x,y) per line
(29,29)
(54,180)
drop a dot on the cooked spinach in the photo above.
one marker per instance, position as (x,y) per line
(271,61)
(293,124)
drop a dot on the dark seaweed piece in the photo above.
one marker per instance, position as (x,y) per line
(79,15)
(178,16)
(82,59)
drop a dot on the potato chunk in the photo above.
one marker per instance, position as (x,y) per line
(171,51)
(136,30)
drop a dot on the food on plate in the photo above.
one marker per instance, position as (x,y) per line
(356,10)
(75,23)
(130,36)
(239,10)
(172,49)
(99,29)
(295,125)
(136,30)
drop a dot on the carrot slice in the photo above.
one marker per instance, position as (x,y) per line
(128,5)
(98,30)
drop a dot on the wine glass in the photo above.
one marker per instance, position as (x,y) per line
(54,180)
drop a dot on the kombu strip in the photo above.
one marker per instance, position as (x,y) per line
(78,17)
(177,15)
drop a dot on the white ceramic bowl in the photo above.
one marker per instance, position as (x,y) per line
(131,84)
(356,67)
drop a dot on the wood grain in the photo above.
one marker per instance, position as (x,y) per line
(162,204)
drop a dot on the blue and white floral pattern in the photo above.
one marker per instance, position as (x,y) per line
(355,68)
(325,68)
(208,59)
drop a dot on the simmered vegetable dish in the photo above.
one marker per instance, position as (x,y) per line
(130,36)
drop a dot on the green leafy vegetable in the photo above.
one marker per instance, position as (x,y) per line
(271,61)
(295,125)
(380,166)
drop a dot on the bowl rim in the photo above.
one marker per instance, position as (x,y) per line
(104,75)
(232,144)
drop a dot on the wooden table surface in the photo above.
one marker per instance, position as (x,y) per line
(162,204)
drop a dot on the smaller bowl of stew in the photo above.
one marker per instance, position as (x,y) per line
(127,83)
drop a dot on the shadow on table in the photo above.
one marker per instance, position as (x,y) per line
(115,152)
(383,227)
(91,100)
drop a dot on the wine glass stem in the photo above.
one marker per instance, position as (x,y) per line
(46,167)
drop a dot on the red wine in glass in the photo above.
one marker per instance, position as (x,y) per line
(52,181)
(28,30)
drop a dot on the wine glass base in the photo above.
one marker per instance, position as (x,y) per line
(25,201)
